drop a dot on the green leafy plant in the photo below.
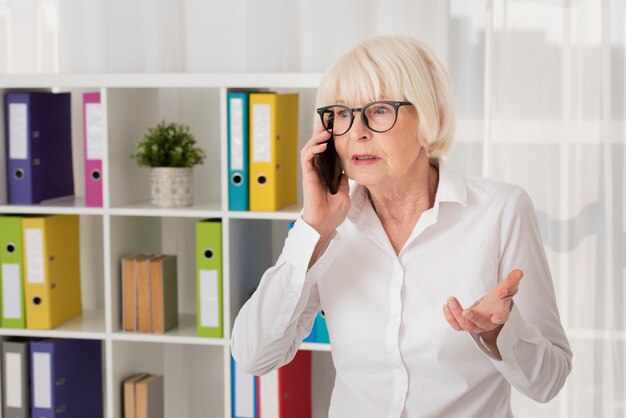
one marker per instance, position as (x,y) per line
(168,145)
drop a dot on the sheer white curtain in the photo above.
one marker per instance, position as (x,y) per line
(555,125)
(202,36)
(540,94)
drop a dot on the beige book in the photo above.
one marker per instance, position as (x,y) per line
(129,394)
(163,293)
(144,323)
(149,397)
(129,294)
(130,288)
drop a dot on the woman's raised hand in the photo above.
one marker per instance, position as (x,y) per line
(486,316)
(322,210)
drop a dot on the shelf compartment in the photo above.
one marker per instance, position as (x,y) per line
(193,376)
(132,111)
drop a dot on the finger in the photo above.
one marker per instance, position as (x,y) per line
(451,319)
(317,124)
(457,311)
(314,141)
(308,153)
(319,137)
(319,148)
(480,320)
(509,286)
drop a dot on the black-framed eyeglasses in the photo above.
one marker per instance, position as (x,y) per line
(379,116)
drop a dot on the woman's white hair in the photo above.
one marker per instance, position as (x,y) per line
(396,68)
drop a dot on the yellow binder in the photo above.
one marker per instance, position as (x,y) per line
(273,151)
(51,270)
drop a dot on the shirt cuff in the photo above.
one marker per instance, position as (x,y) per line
(512,331)
(299,247)
(481,345)
(300,244)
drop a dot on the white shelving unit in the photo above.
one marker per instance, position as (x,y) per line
(196,369)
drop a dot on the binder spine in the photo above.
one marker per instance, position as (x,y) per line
(18,134)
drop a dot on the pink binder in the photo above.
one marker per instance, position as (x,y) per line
(94,148)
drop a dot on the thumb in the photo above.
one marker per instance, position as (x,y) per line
(510,285)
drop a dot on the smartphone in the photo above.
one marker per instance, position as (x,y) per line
(329,166)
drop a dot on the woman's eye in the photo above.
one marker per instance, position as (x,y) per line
(380,110)
(343,114)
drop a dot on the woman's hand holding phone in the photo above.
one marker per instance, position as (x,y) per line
(322,210)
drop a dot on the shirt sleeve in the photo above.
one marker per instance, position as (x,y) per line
(272,324)
(536,355)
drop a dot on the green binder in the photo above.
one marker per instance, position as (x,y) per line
(12,272)
(209,278)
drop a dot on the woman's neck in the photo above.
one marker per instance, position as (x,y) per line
(409,198)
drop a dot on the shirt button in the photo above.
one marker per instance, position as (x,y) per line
(398,399)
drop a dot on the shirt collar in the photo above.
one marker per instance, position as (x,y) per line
(451,184)
(451,188)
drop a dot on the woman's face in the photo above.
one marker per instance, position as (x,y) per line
(376,159)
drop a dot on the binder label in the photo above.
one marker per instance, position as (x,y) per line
(11,294)
(270,394)
(209,317)
(42,381)
(236,134)
(18,131)
(13,380)
(244,394)
(93,119)
(261,133)
(34,255)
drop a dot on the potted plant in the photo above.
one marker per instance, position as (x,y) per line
(171,152)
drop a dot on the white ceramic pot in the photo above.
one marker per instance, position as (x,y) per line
(171,186)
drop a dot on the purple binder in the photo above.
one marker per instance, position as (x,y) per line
(66,378)
(39,146)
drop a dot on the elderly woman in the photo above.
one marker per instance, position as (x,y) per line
(405,236)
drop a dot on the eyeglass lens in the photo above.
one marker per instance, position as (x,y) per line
(378,117)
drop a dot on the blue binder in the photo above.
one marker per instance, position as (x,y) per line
(38,132)
(321,329)
(312,338)
(66,378)
(238,150)
(246,406)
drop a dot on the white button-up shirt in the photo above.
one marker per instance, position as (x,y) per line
(395,354)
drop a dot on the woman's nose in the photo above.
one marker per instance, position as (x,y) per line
(359,130)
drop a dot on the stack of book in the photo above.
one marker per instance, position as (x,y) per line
(143,396)
(149,293)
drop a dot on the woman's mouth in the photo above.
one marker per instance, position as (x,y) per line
(364,159)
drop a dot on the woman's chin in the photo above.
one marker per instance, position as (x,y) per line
(365,179)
